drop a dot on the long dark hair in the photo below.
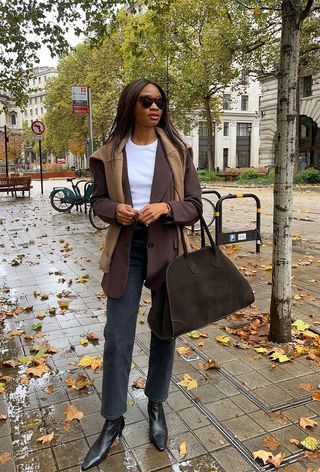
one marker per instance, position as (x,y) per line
(123,124)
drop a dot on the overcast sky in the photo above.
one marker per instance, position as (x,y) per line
(45,56)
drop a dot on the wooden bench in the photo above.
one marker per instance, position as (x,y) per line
(15,184)
(230,173)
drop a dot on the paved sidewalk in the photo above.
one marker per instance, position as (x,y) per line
(47,258)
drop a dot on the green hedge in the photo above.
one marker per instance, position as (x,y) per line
(206,175)
(308,176)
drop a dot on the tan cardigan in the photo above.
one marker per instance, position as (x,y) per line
(113,165)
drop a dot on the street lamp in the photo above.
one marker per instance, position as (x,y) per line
(249,129)
(6,140)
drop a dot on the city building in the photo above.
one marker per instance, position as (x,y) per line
(309,121)
(38,89)
(236,138)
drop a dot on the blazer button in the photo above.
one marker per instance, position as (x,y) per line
(150,245)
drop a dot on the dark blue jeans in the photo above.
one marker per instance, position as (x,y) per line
(119,336)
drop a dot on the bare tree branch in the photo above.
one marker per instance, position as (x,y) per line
(307,10)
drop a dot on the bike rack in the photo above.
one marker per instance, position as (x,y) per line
(238,236)
(212,191)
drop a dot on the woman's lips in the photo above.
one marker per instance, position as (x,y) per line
(154,116)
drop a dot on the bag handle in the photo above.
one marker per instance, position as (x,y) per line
(203,228)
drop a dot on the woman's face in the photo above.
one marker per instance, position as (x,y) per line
(150,116)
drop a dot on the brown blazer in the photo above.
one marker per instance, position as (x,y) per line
(162,234)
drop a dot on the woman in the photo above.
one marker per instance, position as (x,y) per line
(145,184)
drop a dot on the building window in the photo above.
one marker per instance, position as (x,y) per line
(203,130)
(26,113)
(225,158)
(307,86)
(41,99)
(226,101)
(41,111)
(31,112)
(259,102)
(13,119)
(36,111)
(39,80)
(244,76)
(226,128)
(44,78)
(244,102)
(34,81)
(244,129)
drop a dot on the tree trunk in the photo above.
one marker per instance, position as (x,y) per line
(285,155)
(211,157)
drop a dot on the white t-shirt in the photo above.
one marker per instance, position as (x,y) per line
(141,161)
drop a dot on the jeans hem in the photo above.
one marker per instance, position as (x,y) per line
(112,417)
(155,400)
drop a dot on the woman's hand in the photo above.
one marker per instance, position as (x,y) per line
(126,214)
(150,213)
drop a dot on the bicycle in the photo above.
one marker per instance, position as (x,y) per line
(63,199)
(208,211)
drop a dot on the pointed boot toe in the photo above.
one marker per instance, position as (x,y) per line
(100,448)
(157,424)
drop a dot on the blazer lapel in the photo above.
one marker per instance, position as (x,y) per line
(125,180)
(162,175)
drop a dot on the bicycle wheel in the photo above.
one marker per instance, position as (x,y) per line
(97,222)
(208,214)
(59,201)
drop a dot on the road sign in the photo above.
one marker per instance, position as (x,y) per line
(80,104)
(39,137)
(38,127)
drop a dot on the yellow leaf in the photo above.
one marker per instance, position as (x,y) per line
(261,350)
(83,342)
(78,383)
(268,267)
(184,351)
(224,340)
(72,413)
(278,356)
(139,383)
(63,303)
(307,422)
(88,361)
(2,387)
(300,325)
(194,334)
(46,438)
(193,384)
(276,460)
(183,448)
(188,382)
(16,332)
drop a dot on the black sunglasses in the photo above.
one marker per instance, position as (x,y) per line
(146,102)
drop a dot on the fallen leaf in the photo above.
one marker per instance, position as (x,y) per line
(63,303)
(194,334)
(307,422)
(88,361)
(278,356)
(78,383)
(300,325)
(184,351)
(183,448)
(262,455)
(276,460)
(82,342)
(3,417)
(310,443)
(307,387)
(5,457)
(49,389)
(72,413)
(261,350)
(139,383)
(46,438)
(295,441)
(316,396)
(37,371)
(271,442)
(93,337)
(224,340)
(16,332)
(210,364)
(188,382)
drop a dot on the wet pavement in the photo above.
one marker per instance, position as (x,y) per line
(51,299)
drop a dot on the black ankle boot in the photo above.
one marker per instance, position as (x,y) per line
(100,449)
(157,424)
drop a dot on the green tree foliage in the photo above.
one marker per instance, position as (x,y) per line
(25,25)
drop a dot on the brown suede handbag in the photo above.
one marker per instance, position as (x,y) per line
(201,287)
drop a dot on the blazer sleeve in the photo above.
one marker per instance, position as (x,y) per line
(187,211)
(102,205)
